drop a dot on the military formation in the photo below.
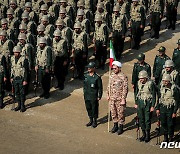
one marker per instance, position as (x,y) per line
(40,40)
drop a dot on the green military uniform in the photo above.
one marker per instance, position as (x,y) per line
(145,99)
(93,91)
(167,105)
(176,57)
(19,74)
(159,61)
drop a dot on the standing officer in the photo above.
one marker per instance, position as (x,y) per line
(19,75)
(159,62)
(116,95)
(167,106)
(43,66)
(176,57)
(60,56)
(145,101)
(93,91)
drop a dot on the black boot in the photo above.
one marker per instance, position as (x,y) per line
(170,138)
(142,138)
(42,95)
(46,95)
(18,107)
(1,103)
(147,139)
(90,122)
(23,108)
(94,124)
(120,129)
(115,128)
(166,138)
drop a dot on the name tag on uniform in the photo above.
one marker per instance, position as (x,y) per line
(92,85)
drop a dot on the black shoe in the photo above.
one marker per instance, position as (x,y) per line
(115,128)
(46,96)
(142,138)
(90,122)
(42,95)
(94,124)
(61,87)
(56,86)
(166,138)
(23,109)
(2,106)
(147,139)
(120,129)
(17,108)
(170,138)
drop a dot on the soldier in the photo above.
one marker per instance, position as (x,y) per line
(176,57)
(100,40)
(93,91)
(79,49)
(60,53)
(171,10)
(116,94)
(156,13)
(158,64)
(119,29)
(145,101)
(43,66)
(167,106)
(17,11)
(19,73)
(137,21)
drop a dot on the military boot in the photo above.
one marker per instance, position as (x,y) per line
(120,129)
(166,138)
(170,138)
(23,108)
(142,138)
(1,103)
(147,139)
(90,122)
(18,107)
(115,128)
(94,124)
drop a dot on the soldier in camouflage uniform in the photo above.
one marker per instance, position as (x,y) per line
(145,101)
(43,66)
(158,64)
(17,11)
(116,94)
(167,105)
(176,57)
(93,91)
(19,74)
(60,54)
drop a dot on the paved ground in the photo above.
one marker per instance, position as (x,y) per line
(57,125)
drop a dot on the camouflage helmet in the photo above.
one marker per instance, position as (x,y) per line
(178,42)
(42,40)
(3,33)
(116,8)
(28,4)
(22,26)
(41,28)
(4,21)
(22,36)
(77,25)
(59,22)
(143,74)
(141,57)
(44,7)
(62,11)
(17,49)
(45,18)
(25,15)
(80,3)
(100,5)
(57,32)
(9,11)
(135,0)
(169,63)
(162,49)
(166,77)
(12,2)
(98,17)
(80,12)
(63,1)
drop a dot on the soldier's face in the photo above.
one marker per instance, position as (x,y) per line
(91,70)
(59,26)
(40,32)
(116,69)
(166,82)
(77,30)
(100,10)
(25,19)
(22,30)
(4,26)
(63,4)
(135,3)
(42,45)
(178,46)
(161,53)
(2,37)
(143,80)
(99,23)
(22,41)
(116,13)
(44,12)
(57,38)
(62,15)
(13,5)
(140,61)
(10,16)
(45,23)
(120,1)
(168,69)
(80,18)
(28,9)
(16,54)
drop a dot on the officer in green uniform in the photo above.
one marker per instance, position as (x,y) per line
(146,99)
(159,62)
(176,57)
(19,74)
(167,106)
(93,91)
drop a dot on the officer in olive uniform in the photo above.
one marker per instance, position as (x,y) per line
(145,101)
(93,91)
(60,54)
(159,61)
(176,57)
(43,66)
(19,74)
(167,106)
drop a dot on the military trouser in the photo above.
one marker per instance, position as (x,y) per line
(144,115)
(118,43)
(19,91)
(155,24)
(92,107)
(101,53)
(45,79)
(1,89)
(171,15)
(117,111)
(166,120)
(60,70)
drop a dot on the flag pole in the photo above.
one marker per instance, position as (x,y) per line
(109,100)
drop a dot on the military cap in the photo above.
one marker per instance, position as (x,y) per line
(178,42)
(91,65)
(3,33)
(100,5)
(166,77)
(44,7)
(59,21)
(10,11)
(4,21)
(17,49)
(77,25)
(63,1)
(13,2)
(23,26)
(98,17)
(22,36)
(62,11)
(141,57)
(25,15)
(41,28)
(135,0)
(116,8)
(169,63)
(143,74)
(28,4)
(57,32)
(45,18)
(80,12)
(162,49)
(117,63)
(80,3)
(43,40)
